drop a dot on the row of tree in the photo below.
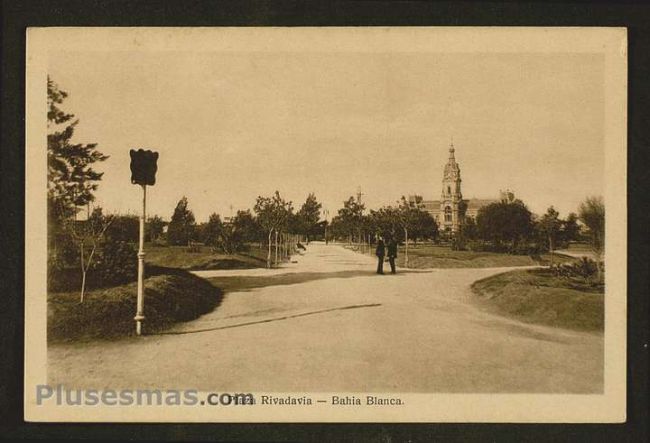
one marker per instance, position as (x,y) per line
(272,219)
(505,226)
(405,221)
(509,224)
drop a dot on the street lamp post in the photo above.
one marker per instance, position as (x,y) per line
(143,172)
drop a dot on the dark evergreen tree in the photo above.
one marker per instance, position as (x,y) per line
(71,177)
(155,228)
(308,217)
(212,231)
(550,227)
(570,229)
(182,224)
(247,226)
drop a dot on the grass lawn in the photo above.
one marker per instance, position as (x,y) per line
(180,257)
(171,295)
(538,296)
(580,247)
(432,256)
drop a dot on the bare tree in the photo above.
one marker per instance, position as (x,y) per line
(407,213)
(87,236)
(272,214)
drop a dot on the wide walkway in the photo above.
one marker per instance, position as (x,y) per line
(345,329)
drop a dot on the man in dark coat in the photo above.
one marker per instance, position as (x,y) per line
(392,253)
(380,252)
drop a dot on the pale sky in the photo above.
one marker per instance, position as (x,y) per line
(232,126)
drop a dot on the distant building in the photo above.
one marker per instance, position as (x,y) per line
(450,211)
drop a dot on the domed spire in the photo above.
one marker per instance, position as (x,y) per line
(451,200)
(452,158)
(451,164)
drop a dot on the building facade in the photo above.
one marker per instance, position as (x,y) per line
(452,209)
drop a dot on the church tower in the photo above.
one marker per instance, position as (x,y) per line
(451,203)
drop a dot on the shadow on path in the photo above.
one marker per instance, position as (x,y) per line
(286,317)
(233,283)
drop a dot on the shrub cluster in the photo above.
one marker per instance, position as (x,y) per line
(586,268)
(114,263)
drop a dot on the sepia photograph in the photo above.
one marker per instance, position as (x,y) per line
(326,224)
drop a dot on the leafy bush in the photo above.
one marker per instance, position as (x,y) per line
(117,263)
(527,248)
(585,268)
(114,263)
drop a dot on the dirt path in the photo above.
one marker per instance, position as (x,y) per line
(412,332)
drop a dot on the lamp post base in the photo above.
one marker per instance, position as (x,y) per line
(138,324)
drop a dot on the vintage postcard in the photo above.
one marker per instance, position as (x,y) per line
(326,224)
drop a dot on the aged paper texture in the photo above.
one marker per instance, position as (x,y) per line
(236,275)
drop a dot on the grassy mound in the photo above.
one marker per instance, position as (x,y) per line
(204,258)
(171,296)
(538,296)
(225,263)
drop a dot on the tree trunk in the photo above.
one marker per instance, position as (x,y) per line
(406,248)
(83,285)
(276,248)
(83,273)
(286,246)
(268,256)
(550,247)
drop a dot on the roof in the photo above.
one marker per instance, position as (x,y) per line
(473,204)
(431,204)
(477,203)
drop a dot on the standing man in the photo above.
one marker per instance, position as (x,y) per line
(380,252)
(392,253)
